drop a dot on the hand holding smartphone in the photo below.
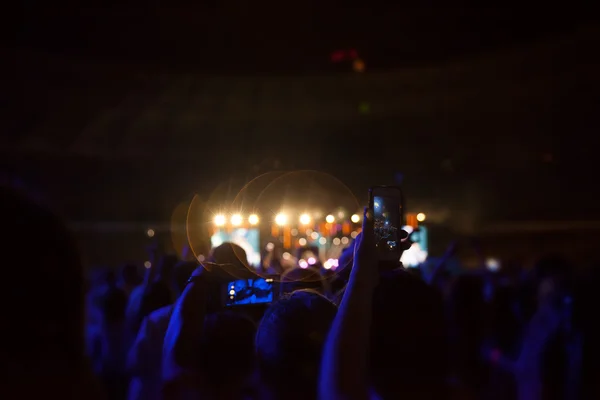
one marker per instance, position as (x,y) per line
(387,205)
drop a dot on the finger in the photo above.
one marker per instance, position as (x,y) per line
(403,234)
(367,223)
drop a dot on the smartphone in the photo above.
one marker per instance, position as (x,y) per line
(249,291)
(387,205)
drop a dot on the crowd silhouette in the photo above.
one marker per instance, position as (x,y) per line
(370,331)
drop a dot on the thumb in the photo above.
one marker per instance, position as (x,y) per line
(368,230)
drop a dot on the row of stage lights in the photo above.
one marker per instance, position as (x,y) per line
(281,219)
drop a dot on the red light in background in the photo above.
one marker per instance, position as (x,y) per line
(337,56)
(341,55)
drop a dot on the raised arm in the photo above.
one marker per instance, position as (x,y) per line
(185,329)
(344,365)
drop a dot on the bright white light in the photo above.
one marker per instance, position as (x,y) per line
(414,256)
(220,220)
(336,241)
(147,264)
(355,218)
(341,215)
(201,258)
(305,219)
(150,232)
(335,263)
(345,240)
(232,292)
(270,246)
(302,242)
(281,219)
(314,235)
(354,234)
(236,220)
(330,219)
(253,219)
(327,264)
(303,264)
(294,232)
(492,264)
(286,256)
(323,241)
(421,217)
(409,229)
(312,260)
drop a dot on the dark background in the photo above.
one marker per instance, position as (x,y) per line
(118,111)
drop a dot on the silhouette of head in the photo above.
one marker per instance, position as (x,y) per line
(290,340)
(232,260)
(229,253)
(300,278)
(44,283)
(226,354)
(408,338)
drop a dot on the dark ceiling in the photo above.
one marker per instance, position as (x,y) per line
(269,36)
(547,97)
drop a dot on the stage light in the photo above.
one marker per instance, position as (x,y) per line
(421,217)
(330,219)
(336,241)
(220,220)
(236,220)
(303,264)
(281,219)
(150,233)
(305,219)
(358,65)
(355,218)
(253,219)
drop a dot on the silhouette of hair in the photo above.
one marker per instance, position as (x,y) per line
(44,282)
(229,253)
(408,338)
(299,278)
(233,262)
(290,340)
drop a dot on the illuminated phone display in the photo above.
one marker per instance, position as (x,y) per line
(386,203)
(249,291)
